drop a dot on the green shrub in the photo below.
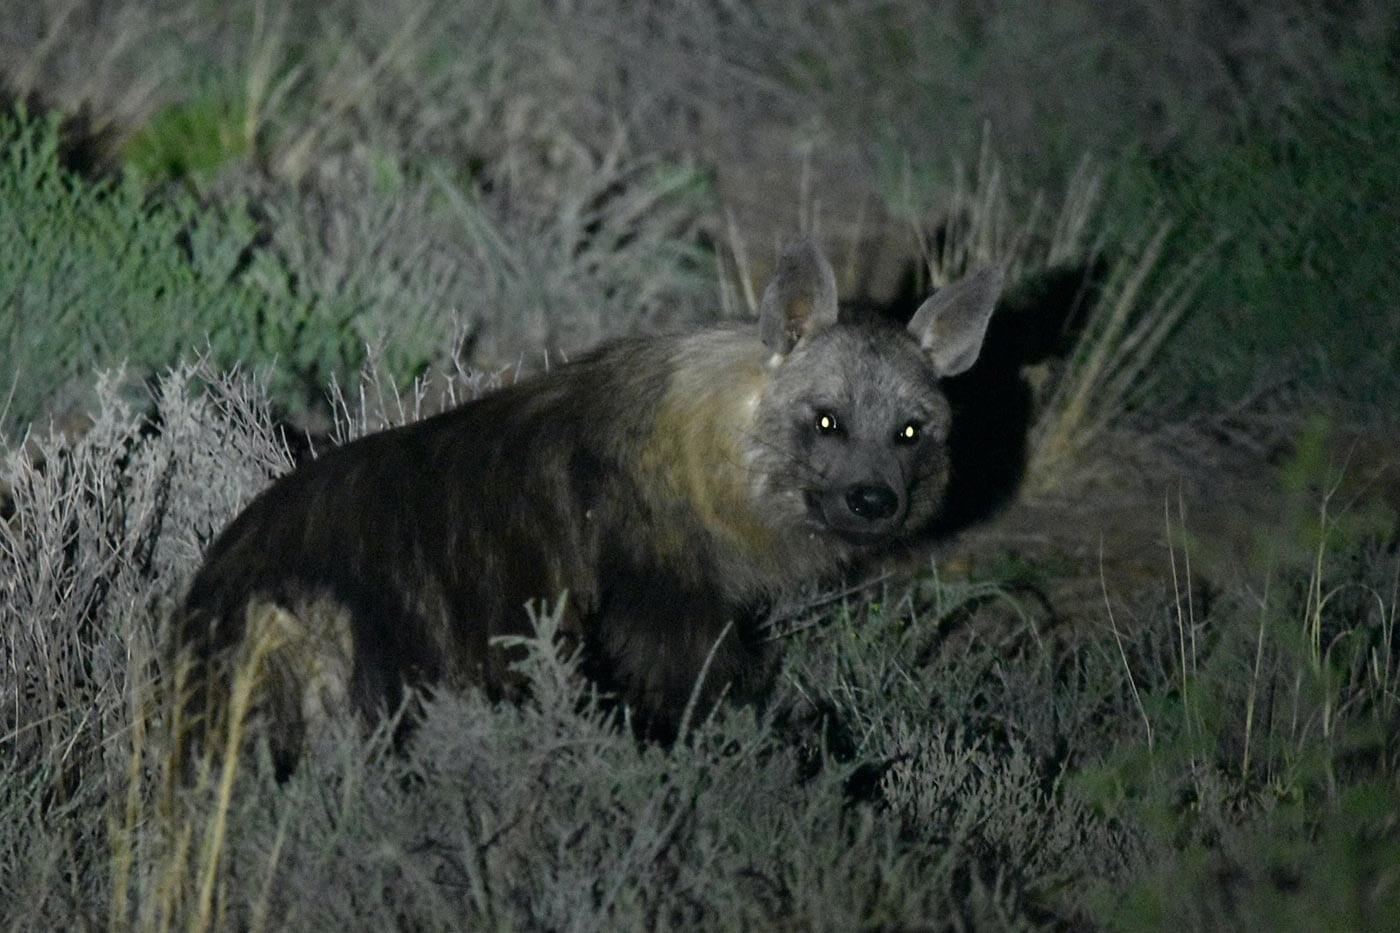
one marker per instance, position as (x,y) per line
(94,273)
(188,140)
(407,266)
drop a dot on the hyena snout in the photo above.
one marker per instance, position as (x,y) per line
(872,501)
(862,511)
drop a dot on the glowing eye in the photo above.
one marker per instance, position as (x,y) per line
(826,423)
(908,434)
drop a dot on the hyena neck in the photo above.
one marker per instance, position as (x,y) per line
(694,459)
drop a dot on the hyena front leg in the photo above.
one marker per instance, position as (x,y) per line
(670,654)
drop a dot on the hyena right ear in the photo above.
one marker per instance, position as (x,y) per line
(951,324)
(800,300)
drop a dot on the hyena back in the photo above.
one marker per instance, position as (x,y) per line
(671,486)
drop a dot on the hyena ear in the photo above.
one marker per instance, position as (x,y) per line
(800,300)
(951,324)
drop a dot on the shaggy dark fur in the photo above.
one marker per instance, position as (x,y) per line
(671,486)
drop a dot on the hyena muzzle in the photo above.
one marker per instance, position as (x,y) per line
(671,486)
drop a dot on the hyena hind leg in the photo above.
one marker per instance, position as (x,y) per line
(287,679)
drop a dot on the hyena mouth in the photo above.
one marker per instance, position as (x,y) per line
(864,538)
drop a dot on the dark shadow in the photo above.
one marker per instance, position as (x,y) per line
(85,147)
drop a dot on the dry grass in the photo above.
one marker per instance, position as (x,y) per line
(530,177)
(1140,306)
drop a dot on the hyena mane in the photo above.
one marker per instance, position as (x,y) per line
(671,486)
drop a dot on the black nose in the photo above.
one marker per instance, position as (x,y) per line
(872,501)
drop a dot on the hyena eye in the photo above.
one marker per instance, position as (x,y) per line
(909,434)
(826,423)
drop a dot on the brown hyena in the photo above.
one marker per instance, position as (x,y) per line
(671,486)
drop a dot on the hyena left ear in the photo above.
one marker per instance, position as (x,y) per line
(951,324)
(800,300)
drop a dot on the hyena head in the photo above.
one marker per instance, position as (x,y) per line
(850,431)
